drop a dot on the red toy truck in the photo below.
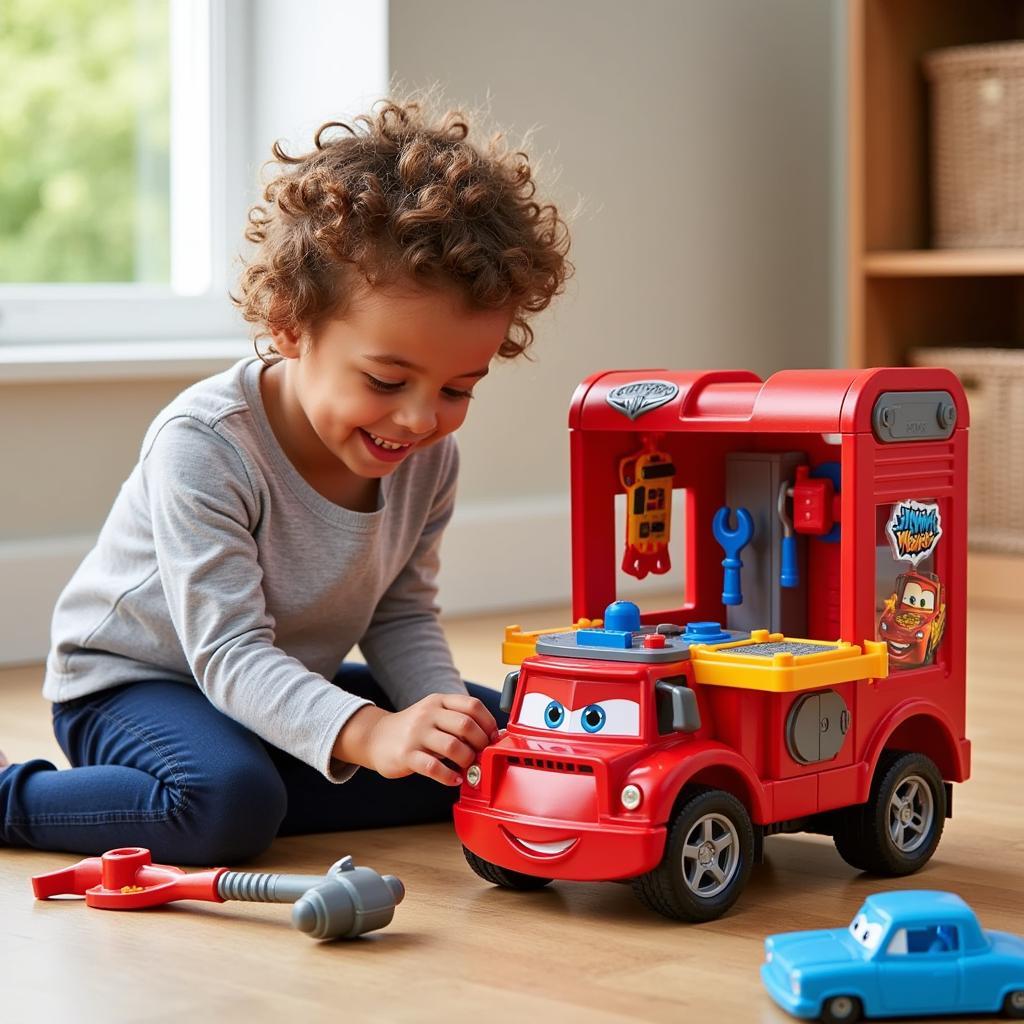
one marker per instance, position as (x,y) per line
(663,748)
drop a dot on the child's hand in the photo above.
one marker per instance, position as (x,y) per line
(442,727)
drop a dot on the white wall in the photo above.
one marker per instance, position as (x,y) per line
(700,135)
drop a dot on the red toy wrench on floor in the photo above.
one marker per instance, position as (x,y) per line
(344,903)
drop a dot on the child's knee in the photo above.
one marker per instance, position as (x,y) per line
(236,814)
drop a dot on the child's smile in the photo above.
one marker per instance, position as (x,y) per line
(394,374)
(381,448)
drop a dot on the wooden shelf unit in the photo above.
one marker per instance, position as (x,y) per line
(901,293)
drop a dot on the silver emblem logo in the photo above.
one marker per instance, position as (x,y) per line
(640,396)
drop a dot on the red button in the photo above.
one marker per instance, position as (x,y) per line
(654,640)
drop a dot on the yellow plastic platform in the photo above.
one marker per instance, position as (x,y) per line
(771,661)
(520,645)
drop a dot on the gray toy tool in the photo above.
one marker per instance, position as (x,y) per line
(346,902)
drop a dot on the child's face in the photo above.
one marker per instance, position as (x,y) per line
(394,375)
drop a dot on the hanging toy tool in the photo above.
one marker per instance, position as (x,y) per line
(342,904)
(647,478)
(815,511)
(789,571)
(732,541)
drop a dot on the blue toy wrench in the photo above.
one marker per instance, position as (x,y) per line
(732,541)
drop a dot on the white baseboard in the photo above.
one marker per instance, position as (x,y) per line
(32,575)
(506,555)
(497,556)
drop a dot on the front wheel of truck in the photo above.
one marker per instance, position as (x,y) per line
(504,877)
(708,856)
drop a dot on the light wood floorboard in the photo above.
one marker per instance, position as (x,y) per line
(460,950)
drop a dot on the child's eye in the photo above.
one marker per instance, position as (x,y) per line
(455,394)
(385,386)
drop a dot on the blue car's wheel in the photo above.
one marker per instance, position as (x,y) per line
(841,1010)
(1013,1004)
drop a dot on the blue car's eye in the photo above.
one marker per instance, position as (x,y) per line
(593,718)
(554,715)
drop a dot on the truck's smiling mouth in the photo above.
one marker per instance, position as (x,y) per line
(552,849)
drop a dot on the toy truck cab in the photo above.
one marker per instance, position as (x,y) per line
(788,690)
(563,790)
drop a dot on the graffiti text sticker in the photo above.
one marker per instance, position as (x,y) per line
(914,530)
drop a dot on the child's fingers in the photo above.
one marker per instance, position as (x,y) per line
(450,748)
(476,709)
(462,726)
(426,764)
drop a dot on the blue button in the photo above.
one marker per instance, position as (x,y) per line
(623,615)
(705,633)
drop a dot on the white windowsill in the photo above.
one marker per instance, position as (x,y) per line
(118,360)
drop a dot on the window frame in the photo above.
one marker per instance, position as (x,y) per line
(208,85)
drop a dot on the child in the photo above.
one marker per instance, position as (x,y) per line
(292,506)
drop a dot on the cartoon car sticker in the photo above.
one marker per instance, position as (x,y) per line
(913,620)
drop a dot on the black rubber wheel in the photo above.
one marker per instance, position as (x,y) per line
(1013,1004)
(503,876)
(708,856)
(897,830)
(841,1010)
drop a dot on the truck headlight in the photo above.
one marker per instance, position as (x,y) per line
(631,797)
(794,984)
(473,774)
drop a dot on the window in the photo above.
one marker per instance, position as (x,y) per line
(939,938)
(117,151)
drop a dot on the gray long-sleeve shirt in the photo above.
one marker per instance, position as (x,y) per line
(220,565)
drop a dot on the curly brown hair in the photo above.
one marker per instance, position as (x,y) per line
(401,195)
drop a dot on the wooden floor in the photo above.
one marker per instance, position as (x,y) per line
(460,950)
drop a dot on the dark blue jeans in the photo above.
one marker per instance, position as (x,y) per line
(155,764)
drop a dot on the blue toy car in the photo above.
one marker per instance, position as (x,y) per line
(905,953)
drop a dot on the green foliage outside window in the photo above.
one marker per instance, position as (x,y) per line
(84,141)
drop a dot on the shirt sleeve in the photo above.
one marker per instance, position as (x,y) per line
(204,512)
(404,645)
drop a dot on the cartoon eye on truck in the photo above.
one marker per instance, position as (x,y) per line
(664,748)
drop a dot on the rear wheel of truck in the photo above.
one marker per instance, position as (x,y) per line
(896,831)
(504,877)
(708,856)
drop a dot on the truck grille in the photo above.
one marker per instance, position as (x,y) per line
(553,766)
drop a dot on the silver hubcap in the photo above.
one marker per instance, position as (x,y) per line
(1017,1000)
(841,1006)
(710,855)
(911,813)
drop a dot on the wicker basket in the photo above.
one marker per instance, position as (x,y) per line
(994,381)
(977,151)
